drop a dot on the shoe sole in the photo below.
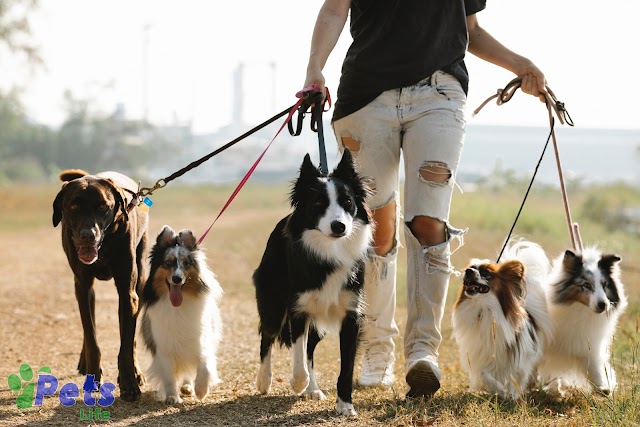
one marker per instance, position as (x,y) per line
(422,380)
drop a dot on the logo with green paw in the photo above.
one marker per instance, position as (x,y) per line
(26,391)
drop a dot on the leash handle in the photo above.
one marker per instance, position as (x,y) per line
(296,107)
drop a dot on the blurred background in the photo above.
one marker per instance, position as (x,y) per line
(146,87)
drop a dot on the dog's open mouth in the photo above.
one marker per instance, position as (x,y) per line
(88,254)
(473,288)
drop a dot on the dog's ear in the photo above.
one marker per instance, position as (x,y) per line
(346,169)
(308,168)
(572,263)
(309,174)
(167,237)
(512,274)
(57,206)
(187,239)
(121,199)
(608,261)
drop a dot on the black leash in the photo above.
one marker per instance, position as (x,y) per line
(164,181)
(316,101)
(553,105)
(515,221)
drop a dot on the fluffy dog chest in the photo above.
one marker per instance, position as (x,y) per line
(181,330)
(328,305)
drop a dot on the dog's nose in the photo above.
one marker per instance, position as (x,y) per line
(87,235)
(176,279)
(337,227)
(601,306)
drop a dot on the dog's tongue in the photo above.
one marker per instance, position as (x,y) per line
(175,295)
(88,254)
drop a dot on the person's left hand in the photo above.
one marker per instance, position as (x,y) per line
(534,82)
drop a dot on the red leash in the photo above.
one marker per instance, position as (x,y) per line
(302,96)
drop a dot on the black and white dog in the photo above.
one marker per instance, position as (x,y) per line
(310,279)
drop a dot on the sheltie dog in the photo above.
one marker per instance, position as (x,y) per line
(586,298)
(310,279)
(501,322)
(181,324)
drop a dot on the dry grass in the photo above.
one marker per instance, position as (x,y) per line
(41,325)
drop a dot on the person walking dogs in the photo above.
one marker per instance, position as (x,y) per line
(403,91)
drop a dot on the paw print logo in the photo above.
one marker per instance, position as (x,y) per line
(26,392)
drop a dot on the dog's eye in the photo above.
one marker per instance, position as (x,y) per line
(484,273)
(103,208)
(347,203)
(74,207)
(168,262)
(185,264)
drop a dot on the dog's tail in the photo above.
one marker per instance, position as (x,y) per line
(71,174)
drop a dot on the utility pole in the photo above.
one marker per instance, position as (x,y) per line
(145,72)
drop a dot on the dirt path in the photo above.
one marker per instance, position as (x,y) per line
(41,327)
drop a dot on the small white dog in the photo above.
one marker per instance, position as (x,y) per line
(500,320)
(586,299)
(181,323)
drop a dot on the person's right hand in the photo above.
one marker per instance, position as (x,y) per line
(315,77)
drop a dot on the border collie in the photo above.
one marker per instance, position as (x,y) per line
(586,299)
(501,322)
(181,324)
(310,279)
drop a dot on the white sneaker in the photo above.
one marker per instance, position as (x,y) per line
(423,377)
(377,368)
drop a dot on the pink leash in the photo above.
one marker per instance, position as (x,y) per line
(302,96)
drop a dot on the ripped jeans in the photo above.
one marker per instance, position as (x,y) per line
(425,123)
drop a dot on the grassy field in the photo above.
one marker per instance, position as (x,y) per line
(41,325)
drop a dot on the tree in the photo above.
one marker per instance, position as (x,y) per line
(15,31)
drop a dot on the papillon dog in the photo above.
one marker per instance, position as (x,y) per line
(501,322)
(181,324)
(586,298)
(310,279)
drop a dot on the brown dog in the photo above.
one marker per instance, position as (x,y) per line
(102,241)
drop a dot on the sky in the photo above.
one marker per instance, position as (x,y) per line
(98,49)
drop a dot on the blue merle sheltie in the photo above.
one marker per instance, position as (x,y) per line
(181,324)
(586,298)
(310,279)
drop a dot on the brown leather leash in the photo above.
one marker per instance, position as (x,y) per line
(553,106)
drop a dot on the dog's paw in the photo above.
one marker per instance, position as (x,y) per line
(263,381)
(201,390)
(186,389)
(314,395)
(130,394)
(299,382)
(345,408)
(172,400)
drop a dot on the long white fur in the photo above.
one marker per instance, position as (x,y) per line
(580,353)
(483,332)
(186,340)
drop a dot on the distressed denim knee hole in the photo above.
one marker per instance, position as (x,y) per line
(351,143)
(435,173)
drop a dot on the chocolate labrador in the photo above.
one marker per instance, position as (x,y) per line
(103,240)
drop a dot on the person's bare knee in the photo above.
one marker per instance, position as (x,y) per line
(429,231)
(435,173)
(384,234)
(350,143)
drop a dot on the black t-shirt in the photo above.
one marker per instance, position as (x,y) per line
(397,43)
